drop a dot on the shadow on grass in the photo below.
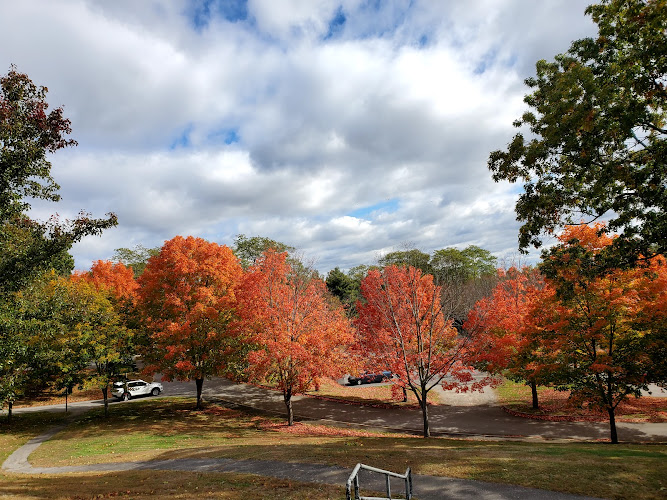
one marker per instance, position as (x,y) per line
(163,485)
(169,429)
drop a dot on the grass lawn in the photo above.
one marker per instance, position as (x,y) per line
(163,429)
(555,404)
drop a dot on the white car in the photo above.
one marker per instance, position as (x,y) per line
(133,388)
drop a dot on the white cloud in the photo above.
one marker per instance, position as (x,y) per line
(265,125)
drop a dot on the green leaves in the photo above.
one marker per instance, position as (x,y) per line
(598,115)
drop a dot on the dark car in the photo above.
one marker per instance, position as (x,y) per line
(369,378)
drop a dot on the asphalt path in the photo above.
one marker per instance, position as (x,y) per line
(487,420)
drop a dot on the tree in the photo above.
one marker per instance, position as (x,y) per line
(505,319)
(451,265)
(70,325)
(27,135)
(598,126)
(412,257)
(300,334)
(250,249)
(342,286)
(187,300)
(111,350)
(600,329)
(402,328)
(136,257)
(29,248)
(465,276)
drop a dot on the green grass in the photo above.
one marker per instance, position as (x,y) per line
(23,428)
(164,429)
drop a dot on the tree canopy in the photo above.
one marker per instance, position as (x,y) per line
(597,134)
(187,301)
(300,334)
(27,136)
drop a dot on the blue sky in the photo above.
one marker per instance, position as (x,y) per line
(347,129)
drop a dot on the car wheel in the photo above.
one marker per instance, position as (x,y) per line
(126,396)
(155,391)
(358,382)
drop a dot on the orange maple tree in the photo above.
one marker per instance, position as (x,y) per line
(115,277)
(505,318)
(602,326)
(402,328)
(299,332)
(187,300)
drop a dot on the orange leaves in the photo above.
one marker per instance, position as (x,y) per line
(300,334)
(114,277)
(403,328)
(187,299)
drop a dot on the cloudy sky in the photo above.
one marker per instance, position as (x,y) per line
(347,129)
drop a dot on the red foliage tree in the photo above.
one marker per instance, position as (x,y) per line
(504,317)
(187,300)
(402,328)
(299,332)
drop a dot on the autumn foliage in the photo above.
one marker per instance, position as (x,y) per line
(187,300)
(402,328)
(114,277)
(299,332)
(600,329)
(504,323)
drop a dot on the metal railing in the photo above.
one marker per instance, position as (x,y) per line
(353,482)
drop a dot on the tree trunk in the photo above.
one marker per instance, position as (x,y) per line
(612,425)
(533,390)
(106,401)
(200,384)
(405,395)
(287,396)
(66,394)
(9,412)
(423,403)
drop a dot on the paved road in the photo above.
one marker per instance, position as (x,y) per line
(485,420)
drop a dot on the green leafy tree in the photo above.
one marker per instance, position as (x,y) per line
(250,249)
(465,277)
(342,286)
(406,258)
(597,134)
(451,265)
(75,326)
(136,257)
(29,133)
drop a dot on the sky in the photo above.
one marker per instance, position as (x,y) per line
(347,129)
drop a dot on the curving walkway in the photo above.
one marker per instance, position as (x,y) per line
(425,487)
